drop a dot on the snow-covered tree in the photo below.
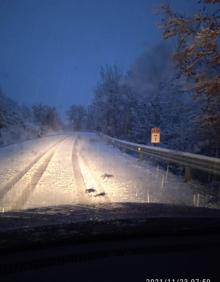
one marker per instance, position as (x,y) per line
(77,116)
(46,116)
(19,122)
(113,104)
(14,125)
(26,112)
(162,101)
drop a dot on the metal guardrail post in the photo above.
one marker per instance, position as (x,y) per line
(140,154)
(196,199)
(188,174)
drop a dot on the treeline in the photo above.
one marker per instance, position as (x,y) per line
(46,117)
(150,95)
(176,89)
(19,123)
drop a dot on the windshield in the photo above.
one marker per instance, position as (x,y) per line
(107,103)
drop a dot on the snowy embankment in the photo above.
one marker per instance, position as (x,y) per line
(126,179)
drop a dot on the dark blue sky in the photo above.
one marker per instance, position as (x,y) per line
(51,50)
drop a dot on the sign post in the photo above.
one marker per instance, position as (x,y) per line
(155,135)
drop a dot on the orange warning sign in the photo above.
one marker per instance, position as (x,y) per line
(155,135)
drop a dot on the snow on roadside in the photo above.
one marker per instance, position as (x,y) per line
(126,179)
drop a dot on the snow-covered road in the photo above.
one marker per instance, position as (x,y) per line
(81,169)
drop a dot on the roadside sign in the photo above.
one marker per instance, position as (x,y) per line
(155,135)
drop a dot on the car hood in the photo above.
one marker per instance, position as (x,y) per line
(94,222)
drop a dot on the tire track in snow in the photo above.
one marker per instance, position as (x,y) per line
(81,187)
(8,186)
(97,185)
(89,188)
(22,199)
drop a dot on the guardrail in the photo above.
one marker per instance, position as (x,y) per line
(190,161)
